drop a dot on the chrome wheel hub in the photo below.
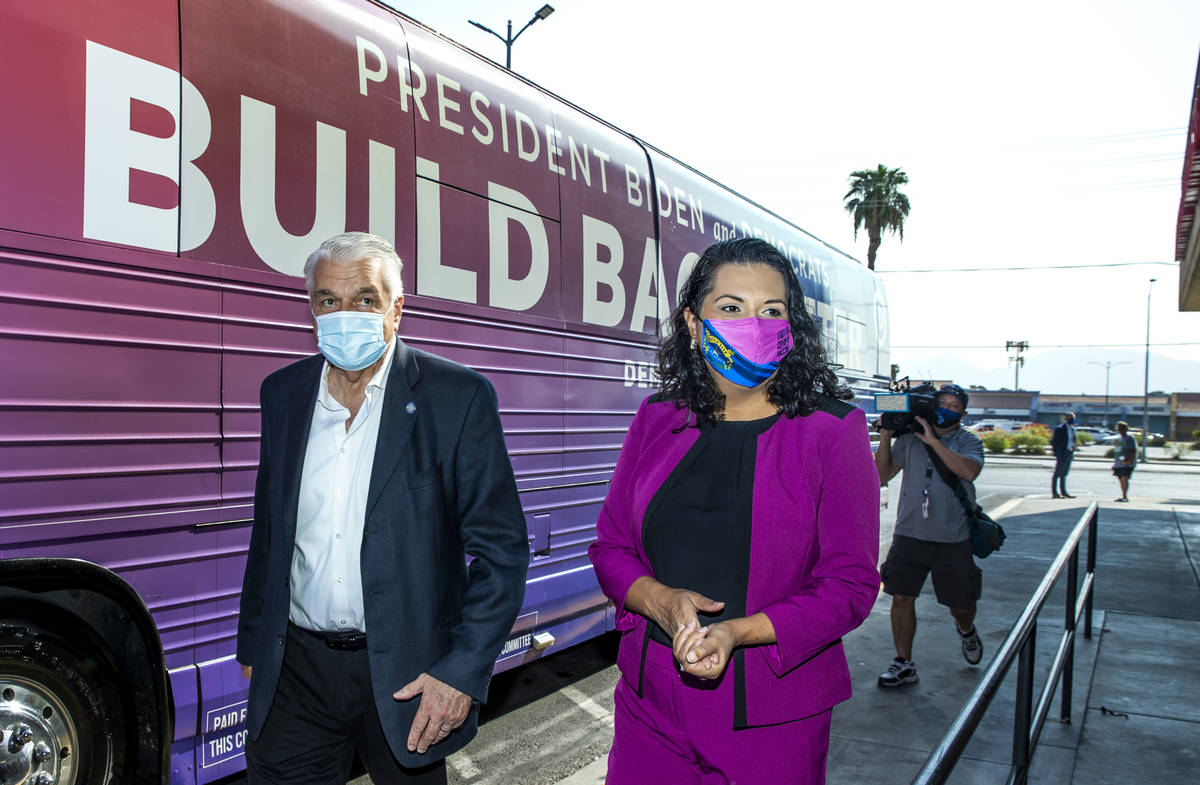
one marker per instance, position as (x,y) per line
(37,736)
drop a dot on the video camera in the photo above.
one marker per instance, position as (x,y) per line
(900,408)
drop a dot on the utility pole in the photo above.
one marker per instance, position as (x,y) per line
(1146,390)
(1108,364)
(1017,360)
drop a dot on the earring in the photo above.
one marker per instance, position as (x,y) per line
(694,344)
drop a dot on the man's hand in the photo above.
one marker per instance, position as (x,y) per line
(246,671)
(442,709)
(926,433)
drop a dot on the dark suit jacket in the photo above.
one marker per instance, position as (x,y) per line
(441,487)
(1058,440)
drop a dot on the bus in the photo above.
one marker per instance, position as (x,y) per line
(167,168)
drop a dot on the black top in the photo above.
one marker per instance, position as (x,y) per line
(697,526)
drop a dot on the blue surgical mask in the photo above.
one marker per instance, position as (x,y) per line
(944,418)
(351,340)
(1070,420)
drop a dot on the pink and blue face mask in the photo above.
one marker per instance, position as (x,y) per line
(745,351)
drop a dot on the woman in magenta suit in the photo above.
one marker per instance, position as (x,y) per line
(739,538)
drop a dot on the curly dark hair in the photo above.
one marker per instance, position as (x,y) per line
(805,375)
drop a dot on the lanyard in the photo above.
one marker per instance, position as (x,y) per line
(925,490)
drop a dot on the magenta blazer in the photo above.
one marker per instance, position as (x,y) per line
(814,545)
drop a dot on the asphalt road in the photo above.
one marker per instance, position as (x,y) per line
(554,717)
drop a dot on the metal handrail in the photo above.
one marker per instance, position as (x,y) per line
(1020,643)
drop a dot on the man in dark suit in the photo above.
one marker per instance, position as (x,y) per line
(1062,442)
(381,468)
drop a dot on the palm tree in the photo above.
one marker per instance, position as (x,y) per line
(877,205)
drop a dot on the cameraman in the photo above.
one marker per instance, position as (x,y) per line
(931,532)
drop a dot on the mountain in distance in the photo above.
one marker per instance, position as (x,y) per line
(1058,372)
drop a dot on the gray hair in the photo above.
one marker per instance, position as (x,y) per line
(355,247)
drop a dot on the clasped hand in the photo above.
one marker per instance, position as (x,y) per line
(701,651)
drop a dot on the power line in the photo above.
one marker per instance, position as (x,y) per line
(1133,136)
(1030,267)
(1048,345)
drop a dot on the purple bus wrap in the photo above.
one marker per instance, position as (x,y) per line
(167,167)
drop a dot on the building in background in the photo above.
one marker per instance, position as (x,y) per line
(1187,233)
(1175,415)
(1185,416)
(1090,410)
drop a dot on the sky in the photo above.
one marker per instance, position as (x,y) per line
(1036,135)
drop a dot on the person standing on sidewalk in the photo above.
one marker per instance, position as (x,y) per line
(1063,445)
(1124,459)
(739,538)
(931,534)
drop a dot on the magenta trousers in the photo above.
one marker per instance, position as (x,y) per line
(680,732)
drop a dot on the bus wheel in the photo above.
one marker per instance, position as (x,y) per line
(61,712)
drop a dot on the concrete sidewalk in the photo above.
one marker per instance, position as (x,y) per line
(1140,663)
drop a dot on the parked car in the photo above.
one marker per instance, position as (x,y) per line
(1098,434)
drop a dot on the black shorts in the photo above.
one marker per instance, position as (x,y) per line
(1122,471)
(957,582)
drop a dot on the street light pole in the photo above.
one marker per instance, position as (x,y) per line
(1108,364)
(1146,391)
(509,39)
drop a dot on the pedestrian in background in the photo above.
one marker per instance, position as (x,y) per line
(1063,445)
(739,538)
(1124,459)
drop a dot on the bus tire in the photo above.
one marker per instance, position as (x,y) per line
(62,695)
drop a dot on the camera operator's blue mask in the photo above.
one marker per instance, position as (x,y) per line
(944,418)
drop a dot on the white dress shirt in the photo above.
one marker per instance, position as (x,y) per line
(326,579)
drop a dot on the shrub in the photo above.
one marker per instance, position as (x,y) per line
(1029,442)
(1176,450)
(1083,438)
(1038,428)
(995,442)
(1111,452)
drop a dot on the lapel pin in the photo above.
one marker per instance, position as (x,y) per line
(410,407)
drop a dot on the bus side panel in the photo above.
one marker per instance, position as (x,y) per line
(110,428)
(296,152)
(489,260)
(610,294)
(46,50)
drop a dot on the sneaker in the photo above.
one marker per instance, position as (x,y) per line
(972,647)
(1122,499)
(899,673)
